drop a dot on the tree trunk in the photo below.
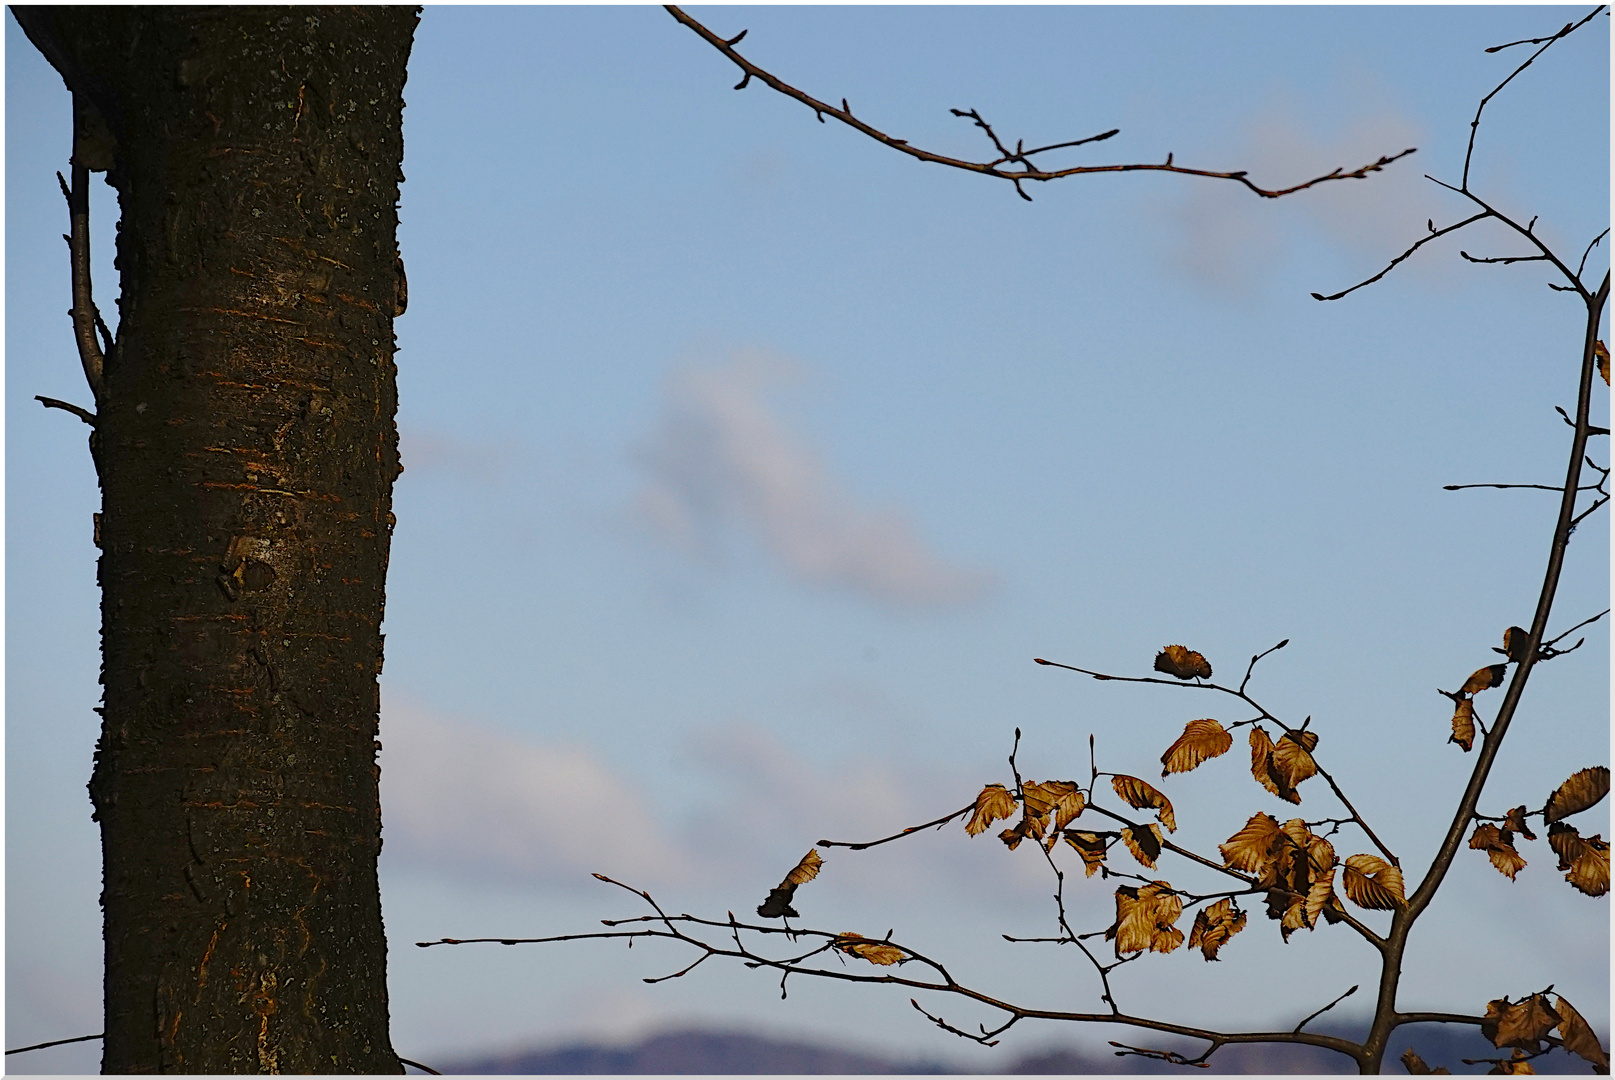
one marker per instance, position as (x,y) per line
(246,448)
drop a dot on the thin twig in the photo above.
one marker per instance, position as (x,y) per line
(418,1065)
(938,823)
(55,1042)
(1547,42)
(1026,170)
(1326,1008)
(54,403)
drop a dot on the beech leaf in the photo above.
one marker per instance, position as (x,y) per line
(1415,1065)
(1182,663)
(1265,770)
(1523,1023)
(1484,679)
(1144,842)
(1140,796)
(1292,758)
(1602,353)
(1515,639)
(1214,926)
(1201,741)
(1565,840)
(993,803)
(1144,919)
(1463,724)
(1498,844)
(876,952)
(1062,798)
(804,871)
(1514,821)
(1251,849)
(1578,1037)
(1371,882)
(1585,789)
(1590,871)
(1091,846)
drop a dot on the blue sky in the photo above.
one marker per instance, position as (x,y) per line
(749,464)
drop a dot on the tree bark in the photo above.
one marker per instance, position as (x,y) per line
(247,450)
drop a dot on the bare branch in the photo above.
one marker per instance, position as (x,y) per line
(418,1065)
(1423,240)
(1474,125)
(53,403)
(938,823)
(84,314)
(1583,264)
(1326,1008)
(54,1042)
(1026,169)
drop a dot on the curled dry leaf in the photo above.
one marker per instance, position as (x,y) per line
(1264,769)
(778,904)
(1565,840)
(1603,360)
(1514,821)
(1062,798)
(1214,926)
(1144,919)
(993,803)
(1463,724)
(1523,1023)
(1371,882)
(1252,849)
(1292,758)
(1515,640)
(1201,741)
(1182,663)
(1140,796)
(1583,790)
(1578,1037)
(1415,1065)
(1091,846)
(876,952)
(1589,872)
(1144,842)
(1498,844)
(1484,679)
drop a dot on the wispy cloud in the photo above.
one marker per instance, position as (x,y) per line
(1225,236)
(473,801)
(721,460)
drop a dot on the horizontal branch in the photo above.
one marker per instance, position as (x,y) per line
(1021,158)
(55,403)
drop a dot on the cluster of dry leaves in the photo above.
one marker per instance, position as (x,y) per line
(1298,871)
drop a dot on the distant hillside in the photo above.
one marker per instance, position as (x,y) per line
(734,1053)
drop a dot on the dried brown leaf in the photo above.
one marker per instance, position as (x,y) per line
(1214,926)
(1292,758)
(1144,842)
(1263,769)
(1201,741)
(1578,1037)
(876,952)
(993,803)
(1590,871)
(1463,724)
(1498,844)
(1523,1023)
(1602,353)
(1144,918)
(1514,821)
(1415,1065)
(1585,789)
(1182,663)
(1140,796)
(804,871)
(1091,846)
(1062,798)
(1515,639)
(1484,679)
(1251,849)
(778,904)
(1565,840)
(1371,882)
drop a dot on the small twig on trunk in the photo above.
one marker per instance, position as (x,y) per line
(54,403)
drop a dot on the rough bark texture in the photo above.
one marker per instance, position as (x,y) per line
(247,453)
